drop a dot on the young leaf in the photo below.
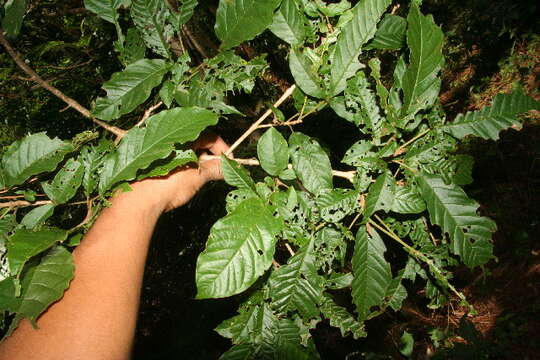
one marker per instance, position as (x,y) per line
(420,83)
(236,175)
(24,244)
(391,33)
(128,89)
(355,34)
(273,152)
(488,122)
(45,283)
(105,9)
(150,18)
(339,317)
(13,17)
(32,155)
(289,23)
(36,217)
(65,183)
(451,209)
(381,195)
(141,146)
(92,159)
(372,274)
(240,248)
(303,74)
(310,163)
(296,285)
(241,20)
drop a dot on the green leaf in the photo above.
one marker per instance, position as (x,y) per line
(304,75)
(296,285)
(92,159)
(421,84)
(241,352)
(273,152)
(241,20)
(372,275)
(488,122)
(240,248)
(8,291)
(355,34)
(141,146)
(396,292)
(134,47)
(14,11)
(335,204)
(237,175)
(249,325)
(380,195)
(310,163)
(289,23)
(406,344)
(236,197)
(65,183)
(184,13)
(24,244)
(32,155)
(36,217)
(340,318)
(45,283)
(7,224)
(129,88)
(150,18)
(180,158)
(407,201)
(391,33)
(451,209)
(105,9)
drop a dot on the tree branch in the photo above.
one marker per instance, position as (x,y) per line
(71,102)
(256,124)
(23,203)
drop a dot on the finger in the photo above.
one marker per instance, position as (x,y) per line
(211,142)
(211,169)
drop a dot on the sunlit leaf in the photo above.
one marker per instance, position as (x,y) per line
(390,34)
(304,75)
(273,152)
(66,182)
(289,23)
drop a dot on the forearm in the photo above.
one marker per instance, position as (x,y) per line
(96,318)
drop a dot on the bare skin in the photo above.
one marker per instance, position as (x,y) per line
(97,316)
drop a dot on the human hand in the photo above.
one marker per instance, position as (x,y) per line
(176,189)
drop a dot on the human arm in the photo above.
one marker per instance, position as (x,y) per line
(96,318)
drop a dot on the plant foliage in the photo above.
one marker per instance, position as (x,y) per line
(294,233)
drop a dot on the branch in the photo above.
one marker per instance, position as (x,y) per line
(148,113)
(349,175)
(256,124)
(71,102)
(23,203)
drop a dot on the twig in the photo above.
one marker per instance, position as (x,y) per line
(195,42)
(71,102)
(400,150)
(69,67)
(286,123)
(23,203)
(349,175)
(256,124)
(289,249)
(148,113)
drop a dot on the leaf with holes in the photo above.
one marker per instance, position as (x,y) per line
(450,208)
(240,248)
(273,152)
(129,88)
(340,318)
(289,23)
(335,204)
(372,274)
(66,182)
(150,17)
(24,244)
(358,31)
(296,286)
(491,120)
(32,155)
(142,146)
(241,20)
